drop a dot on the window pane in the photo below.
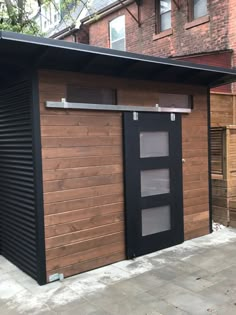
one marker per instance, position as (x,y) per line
(117,28)
(154,144)
(200,8)
(155,182)
(119,44)
(165,5)
(91,95)
(155,220)
(174,100)
(166,21)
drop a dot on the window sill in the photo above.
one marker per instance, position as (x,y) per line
(163,34)
(197,22)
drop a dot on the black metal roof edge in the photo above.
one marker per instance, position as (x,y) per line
(226,80)
(54,43)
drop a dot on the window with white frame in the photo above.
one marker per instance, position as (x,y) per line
(2,7)
(163,14)
(198,9)
(117,33)
(50,15)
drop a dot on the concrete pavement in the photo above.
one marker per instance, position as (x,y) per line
(197,277)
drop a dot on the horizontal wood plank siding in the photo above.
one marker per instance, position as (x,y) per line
(195,170)
(224,186)
(83,171)
(83,186)
(222,110)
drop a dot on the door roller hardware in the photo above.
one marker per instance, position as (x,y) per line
(135,115)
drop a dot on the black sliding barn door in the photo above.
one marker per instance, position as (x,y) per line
(153,182)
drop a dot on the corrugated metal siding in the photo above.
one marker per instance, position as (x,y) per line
(17,193)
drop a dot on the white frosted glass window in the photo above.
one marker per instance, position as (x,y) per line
(199,8)
(165,14)
(155,182)
(154,144)
(165,21)
(165,6)
(117,33)
(156,220)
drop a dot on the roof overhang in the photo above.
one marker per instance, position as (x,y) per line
(20,53)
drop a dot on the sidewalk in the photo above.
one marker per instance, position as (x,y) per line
(197,277)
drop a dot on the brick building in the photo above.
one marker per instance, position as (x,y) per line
(169,34)
(199,31)
(196,31)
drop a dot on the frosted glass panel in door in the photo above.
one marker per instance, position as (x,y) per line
(155,182)
(156,220)
(154,144)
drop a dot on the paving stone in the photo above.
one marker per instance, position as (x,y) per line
(220,293)
(166,309)
(99,312)
(229,309)
(228,273)
(6,276)
(137,266)
(20,276)
(149,304)
(76,308)
(44,310)
(167,273)
(191,303)
(106,297)
(31,285)
(5,310)
(164,291)
(192,282)
(214,278)
(194,278)
(133,306)
(126,306)
(62,297)
(212,261)
(6,265)
(25,302)
(147,281)
(129,288)
(186,267)
(8,288)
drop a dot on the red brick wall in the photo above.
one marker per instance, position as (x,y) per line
(219,59)
(232,33)
(69,38)
(78,36)
(206,37)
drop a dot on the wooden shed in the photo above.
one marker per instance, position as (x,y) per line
(104,155)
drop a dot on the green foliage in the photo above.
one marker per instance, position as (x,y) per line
(15,17)
(27,27)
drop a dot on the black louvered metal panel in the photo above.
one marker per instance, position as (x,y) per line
(17,189)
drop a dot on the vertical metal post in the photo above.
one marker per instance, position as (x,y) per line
(209,158)
(38,182)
